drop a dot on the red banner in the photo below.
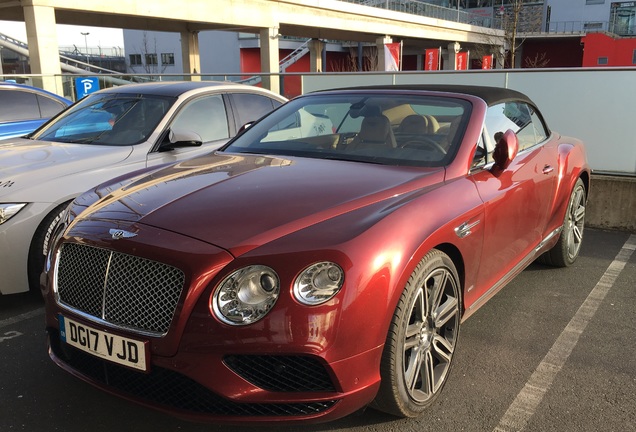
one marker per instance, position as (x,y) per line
(461,61)
(431,61)
(486,61)
(392,56)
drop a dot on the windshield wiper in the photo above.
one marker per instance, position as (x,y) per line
(85,140)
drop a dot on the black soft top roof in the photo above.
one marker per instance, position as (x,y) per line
(490,95)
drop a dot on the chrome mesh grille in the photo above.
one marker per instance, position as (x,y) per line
(121,289)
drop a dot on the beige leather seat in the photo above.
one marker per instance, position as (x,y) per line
(374,131)
(413,125)
(450,132)
(433,124)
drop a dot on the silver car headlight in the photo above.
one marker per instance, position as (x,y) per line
(246,295)
(7,211)
(318,283)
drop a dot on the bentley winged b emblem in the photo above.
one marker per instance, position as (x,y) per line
(117,234)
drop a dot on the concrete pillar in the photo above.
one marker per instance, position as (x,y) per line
(44,52)
(316,47)
(270,59)
(380,42)
(450,57)
(190,54)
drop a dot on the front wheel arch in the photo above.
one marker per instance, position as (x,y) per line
(40,240)
(421,339)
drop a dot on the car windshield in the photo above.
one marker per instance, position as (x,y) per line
(390,129)
(108,119)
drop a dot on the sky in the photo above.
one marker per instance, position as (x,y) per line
(68,35)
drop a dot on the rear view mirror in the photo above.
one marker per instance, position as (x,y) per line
(505,151)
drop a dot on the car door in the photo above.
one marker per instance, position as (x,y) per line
(23,111)
(517,202)
(207,116)
(249,107)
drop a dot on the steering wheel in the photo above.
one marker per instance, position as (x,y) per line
(424,143)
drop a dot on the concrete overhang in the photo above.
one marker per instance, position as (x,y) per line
(324,19)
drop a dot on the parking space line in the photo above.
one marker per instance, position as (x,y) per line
(21,317)
(525,404)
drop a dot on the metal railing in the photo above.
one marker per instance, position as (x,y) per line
(423,8)
(582,27)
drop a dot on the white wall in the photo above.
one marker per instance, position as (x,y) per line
(219,50)
(595,105)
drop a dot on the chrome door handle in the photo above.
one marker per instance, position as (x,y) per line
(547,169)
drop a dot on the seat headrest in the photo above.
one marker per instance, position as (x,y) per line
(413,124)
(376,128)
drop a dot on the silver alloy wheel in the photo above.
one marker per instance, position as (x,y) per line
(575,222)
(430,335)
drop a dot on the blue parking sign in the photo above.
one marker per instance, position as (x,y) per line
(85,86)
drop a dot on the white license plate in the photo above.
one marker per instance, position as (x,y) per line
(117,349)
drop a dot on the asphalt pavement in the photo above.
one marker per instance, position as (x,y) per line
(555,350)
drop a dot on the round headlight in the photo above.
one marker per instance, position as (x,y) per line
(246,295)
(318,283)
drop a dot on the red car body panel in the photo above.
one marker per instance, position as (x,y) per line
(375,221)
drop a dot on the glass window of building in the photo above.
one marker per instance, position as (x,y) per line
(167,58)
(623,18)
(151,59)
(135,59)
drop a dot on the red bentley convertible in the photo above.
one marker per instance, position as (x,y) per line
(320,262)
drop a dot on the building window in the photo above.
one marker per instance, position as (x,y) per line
(622,18)
(634,57)
(151,59)
(167,58)
(593,26)
(135,59)
(602,61)
(592,2)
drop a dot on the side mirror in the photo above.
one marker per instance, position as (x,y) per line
(182,138)
(245,127)
(505,151)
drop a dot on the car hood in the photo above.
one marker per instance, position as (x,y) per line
(238,202)
(25,163)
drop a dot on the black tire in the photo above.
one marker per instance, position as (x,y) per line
(567,249)
(422,337)
(40,244)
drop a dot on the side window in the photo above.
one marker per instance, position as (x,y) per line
(205,116)
(49,107)
(18,105)
(517,117)
(251,107)
(481,154)
(540,130)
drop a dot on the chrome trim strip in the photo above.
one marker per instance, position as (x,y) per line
(107,325)
(464,230)
(548,238)
(514,271)
(110,258)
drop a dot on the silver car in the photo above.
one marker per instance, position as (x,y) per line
(105,135)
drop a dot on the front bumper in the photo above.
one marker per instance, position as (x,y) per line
(216,388)
(15,239)
(297,364)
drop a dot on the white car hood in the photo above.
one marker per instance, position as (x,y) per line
(25,163)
